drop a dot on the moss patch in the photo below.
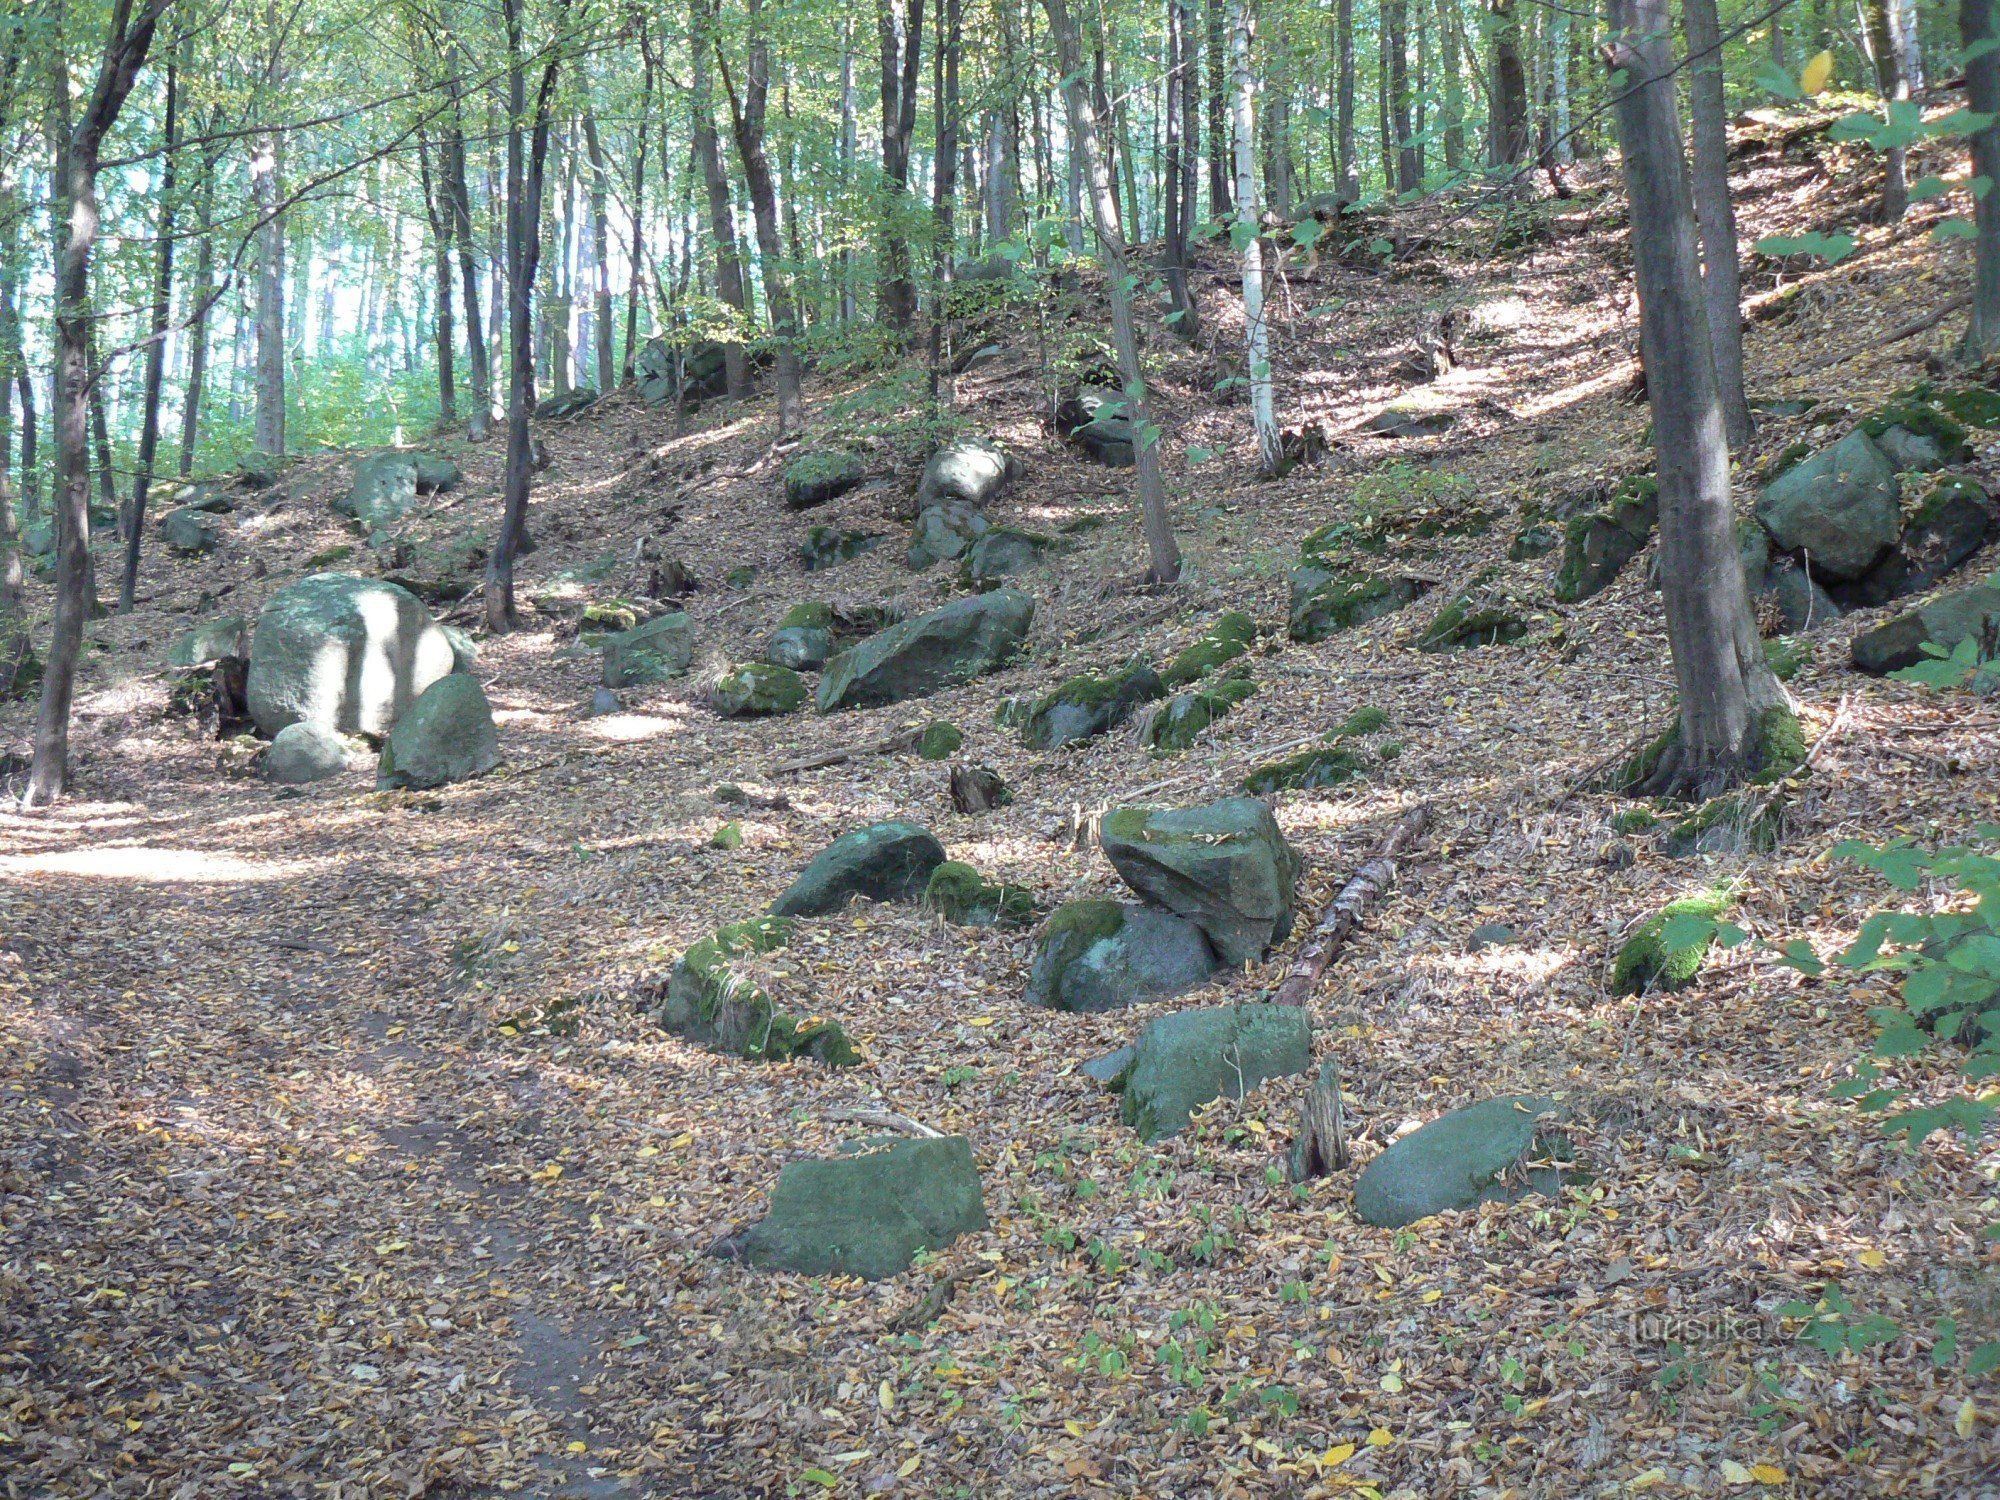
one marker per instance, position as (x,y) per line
(940,740)
(1634,820)
(1645,962)
(1092,920)
(1231,636)
(960,894)
(1366,719)
(1781,743)
(1181,720)
(811,614)
(1482,614)
(1328,765)
(1788,655)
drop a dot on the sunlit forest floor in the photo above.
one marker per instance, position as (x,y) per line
(336,1160)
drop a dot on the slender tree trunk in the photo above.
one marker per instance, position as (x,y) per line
(200,314)
(1560,23)
(902,51)
(1507,133)
(1396,33)
(1161,548)
(1982,95)
(600,253)
(12,581)
(636,281)
(163,299)
(850,135)
(100,438)
(1721,273)
(1179,170)
(1384,122)
(944,85)
(747,111)
(264,194)
(1725,685)
(1218,114)
(438,210)
(1256,329)
(1888,49)
(729,285)
(1346,155)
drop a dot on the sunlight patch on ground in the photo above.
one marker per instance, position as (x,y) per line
(1532,965)
(626,729)
(1500,313)
(145,863)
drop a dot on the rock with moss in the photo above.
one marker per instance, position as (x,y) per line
(1634,820)
(1325,602)
(1737,822)
(728,837)
(1951,523)
(804,638)
(940,740)
(347,653)
(1099,955)
(829,547)
(1788,655)
(1183,1061)
(602,617)
(757,690)
(1230,637)
(1841,508)
(209,641)
(1916,435)
(1459,1161)
(1485,613)
(867,1214)
(971,471)
(1365,720)
(1537,539)
(713,998)
(1182,720)
(1597,547)
(653,652)
(943,532)
(820,475)
(1309,770)
(1086,706)
(963,640)
(1000,553)
(890,861)
(447,735)
(570,403)
(1969,406)
(1646,961)
(1099,421)
(1224,866)
(1965,614)
(960,894)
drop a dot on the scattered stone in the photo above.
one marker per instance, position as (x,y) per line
(1841,507)
(1405,420)
(828,547)
(978,359)
(348,654)
(1099,422)
(1325,601)
(204,496)
(944,531)
(821,475)
(884,861)
(1484,613)
(386,486)
(1230,637)
(869,1215)
(1799,600)
(1953,521)
(804,638)
(972,471)
(1182,1061)
(963,640)
(757,690)
(190,532)
(712,1000)
(1086,706)
(302,753)
(446,736)
(1538,539)
(1457,1161)
(960,894)
(1916,435)
(1177,723)
(579,399)
(1000,553)
(258,471)
(1597,547)
(740,577)
(663,372)
(1224,866)
(1646,962)
(652,652)
(602,702)
(39,540)
(1491,935)
(940,740)
(1105,955)
(1967,614)
(209,641)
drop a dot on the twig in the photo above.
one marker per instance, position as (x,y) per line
(887,745)
(1364,888)
(883,1119)
(927,1309)
(1895,335)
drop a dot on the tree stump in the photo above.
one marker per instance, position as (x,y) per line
(1321,1146)
(976,789)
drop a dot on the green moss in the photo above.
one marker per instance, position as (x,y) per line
(821,467)
(1645,963)
(1971,406)
(1479,615)
(1231,636)
(1953,487)
(1388,751)
(1788,655)
(1781,743)
(770,1033)
(959,893)
(1640,765)
(1537,539)
(740,578)
(757,690)
(1634,820)
(1095,919)
(1920,419)
(728,836)
(1309,770)
(1012,710)
(1182,718)
(811,614)
(327,556)
(1366,719)
(940,740)
(611,615)
(1323,603)
(1786,457)
(1728,824)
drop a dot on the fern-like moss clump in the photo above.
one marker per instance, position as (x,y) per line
(1645,962)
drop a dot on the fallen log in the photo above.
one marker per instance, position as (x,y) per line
(889,744)
(1364,888)
(883,1119)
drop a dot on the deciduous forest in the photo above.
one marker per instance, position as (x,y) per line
(1173,748)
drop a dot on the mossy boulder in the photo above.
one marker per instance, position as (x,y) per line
(1648,961)
(386,486)
(1231,636)
(1487,612)
(889,861)
(1183,1061)
(828,547)
(963,640)
(1182,720)
(940,740)
(1597,547)
(1967,614)
(1916,435)
(1309,770)
(1224,866)
(1951,523)
(1968,406)
(1000,553)
(1099,955)
(804,638)
(1458,1161)
(960,894)
(868,1214)
(209,641)
(349,654)
(757,690)
(447,735)
(972,471)
(713,999)
(569,404)
(823,474)
(1841,507)
(944,531)
(1325,602)
(1099,421)
(661,648)
(1086,706)
(190,532)
(1734,823)
(1537,539)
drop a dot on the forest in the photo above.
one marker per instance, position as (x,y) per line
(1174,748)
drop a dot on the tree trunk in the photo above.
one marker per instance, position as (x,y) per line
(1562,151)
(1161,549)
(636,281)
(850,136)
(1396,40)
(156,354)
(200,313)
(437,209)
(902,50)
(1256,329)
(1725,685)
(747,112)
(11,363)
(1178,189)
(600,255)
(264,193)
(944,89)
(1721,274)
(1982,95)
(1888,48)
(1507,132)
(479,366)
(1218,114)
(729,286)
(1346,155)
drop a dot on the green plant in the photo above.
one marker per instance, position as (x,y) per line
(1833,1324)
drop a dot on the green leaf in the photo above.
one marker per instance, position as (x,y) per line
(820,1477)
(1945,1346)
(1831,248)
(1979,49)
(1953,229)
(1985,1358)
(1307,233)
(1199,455)
(1775,79)
(1242,232)
(1928,186)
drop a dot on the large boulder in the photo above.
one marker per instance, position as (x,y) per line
(1841,507)
(1105,955)
(1951,524)
(209,641)
(1099,422)
(951,645)
(1182,1061)
(1915,434)
(1456,1161)
(1000,553)
(829,546)
(386,486)
(447,736)
(868,1214)
(823,474)
(577,399)
(944,531)
(1086,706)
(302,753)
(1325,601)
(971,470)
(885,862)
(663,647)
(1966,614)
(190,532)
(697,374)
(1597,546)
(1223,866)
(804,638)
(348,654)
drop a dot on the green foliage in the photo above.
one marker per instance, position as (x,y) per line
(1670,947)
(1834,1326)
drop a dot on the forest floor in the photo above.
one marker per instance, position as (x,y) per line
(335,1160)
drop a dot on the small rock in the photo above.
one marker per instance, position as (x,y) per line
(1454,1162)
(757,690)
(209,641)
(1490,935)
(1105,955)
(821,475)
(303,753)
(1182,1061)
(653,652)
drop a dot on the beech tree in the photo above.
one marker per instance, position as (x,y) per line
(1982,96)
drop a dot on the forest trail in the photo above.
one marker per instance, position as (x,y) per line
(348,1167)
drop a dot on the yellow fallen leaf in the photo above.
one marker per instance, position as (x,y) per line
(1874,1260)
(1255,1127)
(685,1138)
(646,1151)
(1768,1474)
(578,1448)
(1392,1383)
(390,1247)
(1817,74)
(908,1467)
(1432,1295)
(1336,1455)
(1646,1480)
(1968,1419)
(1073,1427)
(1735,1473)
(1381,1437)
(886,1396)
(980,1021)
